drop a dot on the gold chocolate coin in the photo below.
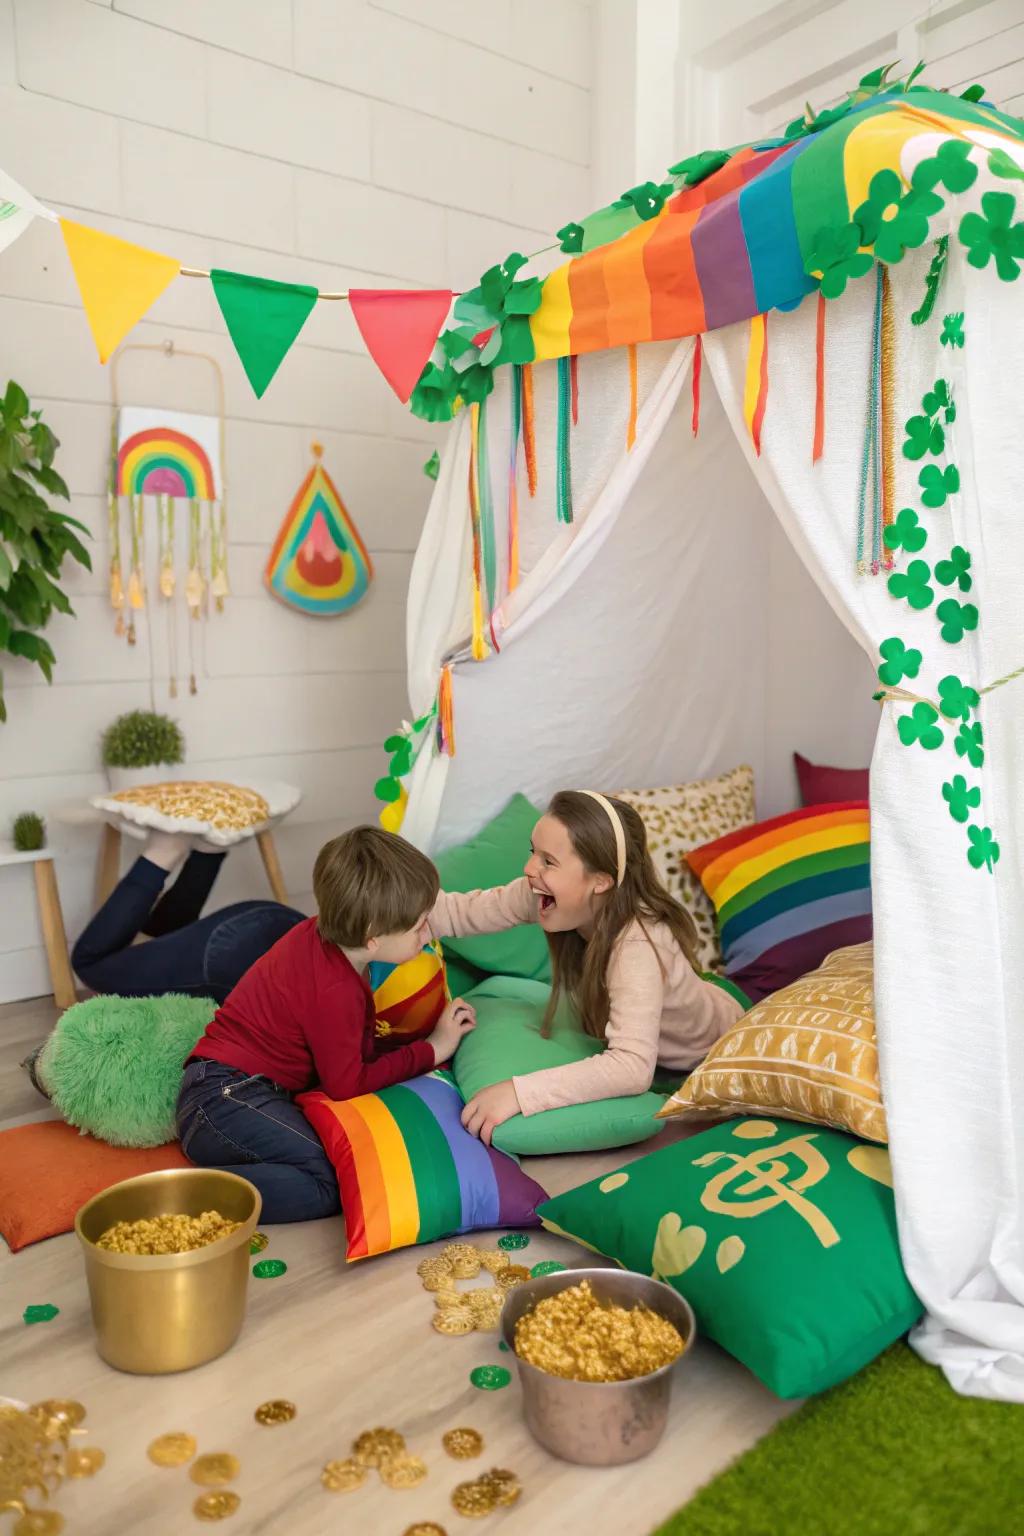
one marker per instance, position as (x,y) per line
(474,1500)
(84,1463)
(463,1443)
(277,1411)
(59,1408)
(437,1279)
(375,1446)
(343,1476)
(454,1322)
(172,1450)
(447,1298)
(515,1274)
(505,1485)
(216,1506)
(494,1260)
(403,1471)
(39,1522)
(214,1470)
(426,1528)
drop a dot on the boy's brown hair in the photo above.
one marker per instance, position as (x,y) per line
(367,883)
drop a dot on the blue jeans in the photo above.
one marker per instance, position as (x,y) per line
(207,956)
(229,1119)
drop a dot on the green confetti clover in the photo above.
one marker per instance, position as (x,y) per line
(923,436)
(953,330)
(697,168)
(938,399)
(546,1267)
(570,238)
(984,850)
(960,799)
(938,484)
(898,663)
(512,1241)
(43,1312)
(956,619)
(912,584)
(950,166)
(920,726)
(839,259)
(893,221)
(906,532)
(956,570)
(647,200)
(992,234)
(970,743)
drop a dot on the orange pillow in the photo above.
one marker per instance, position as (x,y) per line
(48,1171)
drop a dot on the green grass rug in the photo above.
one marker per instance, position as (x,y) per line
(893,1452)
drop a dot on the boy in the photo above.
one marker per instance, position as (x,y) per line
(302,1017)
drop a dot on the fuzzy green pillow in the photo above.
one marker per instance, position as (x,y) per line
(497,856)
(507,1042)
(782,1238)
(112,1065)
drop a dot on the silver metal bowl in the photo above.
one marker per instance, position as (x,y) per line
(598,1423)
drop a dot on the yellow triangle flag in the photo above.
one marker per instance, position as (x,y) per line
(118,281)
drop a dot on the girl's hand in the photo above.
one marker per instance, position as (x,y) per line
(490,1108)
(457,1020)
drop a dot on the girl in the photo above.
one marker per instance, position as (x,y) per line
(622,950)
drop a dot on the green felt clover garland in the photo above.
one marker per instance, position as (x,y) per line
(926,725)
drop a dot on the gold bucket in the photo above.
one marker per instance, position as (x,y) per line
(168,1311)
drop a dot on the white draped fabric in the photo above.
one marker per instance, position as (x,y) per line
(670,633)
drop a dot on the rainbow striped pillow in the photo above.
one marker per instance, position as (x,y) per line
(788,892)
(409,1173)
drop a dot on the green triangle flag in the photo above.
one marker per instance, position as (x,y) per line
(263,319)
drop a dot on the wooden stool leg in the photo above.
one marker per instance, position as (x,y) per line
(54,937)
(272,865)
(108,869)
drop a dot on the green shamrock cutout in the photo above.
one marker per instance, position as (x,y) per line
(1000,164)
(697,168)
(570,239)
(956,570)
(647,200)
(939,399)
(432,468)
(956,619)
(920,725)
(961,800)
(992,233)
(388,790)
(906,532)
(970,743)
(923,436)
(950,166)
(894,221)
(984,850)
(938,484)
(953,330)
(973,93)
(913,584)
(838,257)
(497,281)
(957,699)
(899,662)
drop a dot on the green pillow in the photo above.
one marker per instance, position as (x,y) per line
(507,1042)
(782,1238)
(462,978)
(497,856)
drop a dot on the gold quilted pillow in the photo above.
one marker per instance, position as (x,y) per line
(805,1053)
(682,817)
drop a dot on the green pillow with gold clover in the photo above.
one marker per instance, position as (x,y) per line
(782,1237)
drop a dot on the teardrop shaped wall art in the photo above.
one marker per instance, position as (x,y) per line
(319,564)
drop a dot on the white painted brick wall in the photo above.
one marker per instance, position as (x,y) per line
(336,142)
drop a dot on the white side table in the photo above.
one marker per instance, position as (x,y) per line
(51,918)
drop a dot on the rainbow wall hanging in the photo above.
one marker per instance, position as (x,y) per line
(160,459)
(319,564)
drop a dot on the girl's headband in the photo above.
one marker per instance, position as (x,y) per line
(620,836)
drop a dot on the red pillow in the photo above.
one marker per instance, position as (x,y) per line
(820,785)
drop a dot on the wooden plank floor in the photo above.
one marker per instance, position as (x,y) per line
(352,1347)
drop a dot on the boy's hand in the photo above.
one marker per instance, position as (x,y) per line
(490,1108)
(457,1020)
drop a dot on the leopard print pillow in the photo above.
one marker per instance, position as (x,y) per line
(681,817)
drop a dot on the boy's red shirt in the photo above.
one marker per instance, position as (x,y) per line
(303,1016)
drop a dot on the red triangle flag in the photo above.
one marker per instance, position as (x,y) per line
(400,327)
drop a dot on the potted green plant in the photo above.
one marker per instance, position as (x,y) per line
(34,540)
(142,747)
(29,832)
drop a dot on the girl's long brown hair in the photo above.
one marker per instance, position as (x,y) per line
(580,967)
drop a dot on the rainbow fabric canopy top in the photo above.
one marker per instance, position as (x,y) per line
(728,236)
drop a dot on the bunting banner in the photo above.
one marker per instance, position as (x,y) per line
(17,210)
(119,282)
(263,319)
(400,329)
